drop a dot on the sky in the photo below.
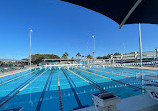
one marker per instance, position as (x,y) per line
(60,27)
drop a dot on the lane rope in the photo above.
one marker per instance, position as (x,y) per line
(21,89)
(38,107)
(73,90)
(88,78)
(18,87)
(16,78)
(143,74)
(59,93)
(111,79)
(121,75)
(87,81)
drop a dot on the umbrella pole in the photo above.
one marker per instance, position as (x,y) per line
(140,45)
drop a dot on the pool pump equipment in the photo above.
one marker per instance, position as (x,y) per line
(105,101)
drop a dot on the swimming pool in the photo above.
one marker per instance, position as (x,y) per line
(69,88)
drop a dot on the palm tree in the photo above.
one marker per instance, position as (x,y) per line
(78,55)
(89,56)
(65,55)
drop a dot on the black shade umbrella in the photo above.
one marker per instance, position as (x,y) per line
(124,11)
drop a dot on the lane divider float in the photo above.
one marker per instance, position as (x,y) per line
(15,78)
(111,79)
(87,81)
(122,75)
(21,89)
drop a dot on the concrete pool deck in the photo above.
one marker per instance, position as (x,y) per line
(144,67)
(3,74)
(135,67)
(136,103)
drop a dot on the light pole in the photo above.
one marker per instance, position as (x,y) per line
(30,48)
(87,48)
(30,66)
(94,45)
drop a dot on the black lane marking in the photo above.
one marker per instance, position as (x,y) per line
(88,82)
(71,80)
(88,78)
(73,90)
(20,86)
(75,94)
(128,85)
(42,95)
(50,80)
(13,78)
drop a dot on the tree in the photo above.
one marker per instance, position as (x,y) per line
(89,56)
(99,57)
(65,55)
(107,56)
(25,59)
(38,58)
(117,53)
(78,55)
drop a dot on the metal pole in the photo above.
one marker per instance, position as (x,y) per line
(140,45)
(87,54)
(87,48)
(30,48)
(94,45)
(94,49)
(156,54)
(124,53)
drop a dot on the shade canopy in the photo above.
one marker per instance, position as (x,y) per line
(123,11)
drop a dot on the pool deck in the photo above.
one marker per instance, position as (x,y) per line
(138,67)
(135,67)
(136,103)
(16,71)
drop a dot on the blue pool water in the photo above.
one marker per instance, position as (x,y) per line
(68,89)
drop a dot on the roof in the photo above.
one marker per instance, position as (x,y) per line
(60,59)
(12,60)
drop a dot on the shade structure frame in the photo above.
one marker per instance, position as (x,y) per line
(129,13)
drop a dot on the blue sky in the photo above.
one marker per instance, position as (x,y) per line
(60,27)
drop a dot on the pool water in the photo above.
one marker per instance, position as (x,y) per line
(69,89)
